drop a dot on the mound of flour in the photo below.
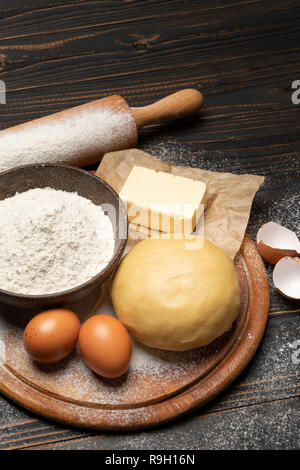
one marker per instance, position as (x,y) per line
(51,241)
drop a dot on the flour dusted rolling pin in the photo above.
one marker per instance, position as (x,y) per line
(80,136)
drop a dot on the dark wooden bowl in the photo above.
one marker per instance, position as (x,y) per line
(69,179)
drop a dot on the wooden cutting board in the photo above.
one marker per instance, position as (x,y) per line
(160,385)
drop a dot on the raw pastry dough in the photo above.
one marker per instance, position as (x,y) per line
(173,297)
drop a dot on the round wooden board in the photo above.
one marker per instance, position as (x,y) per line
(171,385)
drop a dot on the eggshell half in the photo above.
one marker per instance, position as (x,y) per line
(275,241)
(286,277)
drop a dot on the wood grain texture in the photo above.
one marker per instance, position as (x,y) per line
(178,105)
(220,431)
(243,57)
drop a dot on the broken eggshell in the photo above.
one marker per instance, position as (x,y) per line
(286,277)
(275,241)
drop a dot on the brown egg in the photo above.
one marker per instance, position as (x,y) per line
(51,335)
(105,346)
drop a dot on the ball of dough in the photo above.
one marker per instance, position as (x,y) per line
(173,297)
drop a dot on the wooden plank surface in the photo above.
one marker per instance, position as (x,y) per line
(243,56)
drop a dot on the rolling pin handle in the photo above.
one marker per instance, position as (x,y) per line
(176,106)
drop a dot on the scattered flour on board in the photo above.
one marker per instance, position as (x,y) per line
(51,241)
(151,371)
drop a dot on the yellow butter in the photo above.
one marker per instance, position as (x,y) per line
(163,201)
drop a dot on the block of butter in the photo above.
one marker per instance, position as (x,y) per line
(163,201)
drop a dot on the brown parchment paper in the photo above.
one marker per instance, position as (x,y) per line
(229,196)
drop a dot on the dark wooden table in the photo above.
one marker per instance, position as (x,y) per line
(243,55)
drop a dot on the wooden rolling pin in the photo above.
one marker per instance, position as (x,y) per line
(80,136)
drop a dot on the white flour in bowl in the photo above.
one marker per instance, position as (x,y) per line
(51,240)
